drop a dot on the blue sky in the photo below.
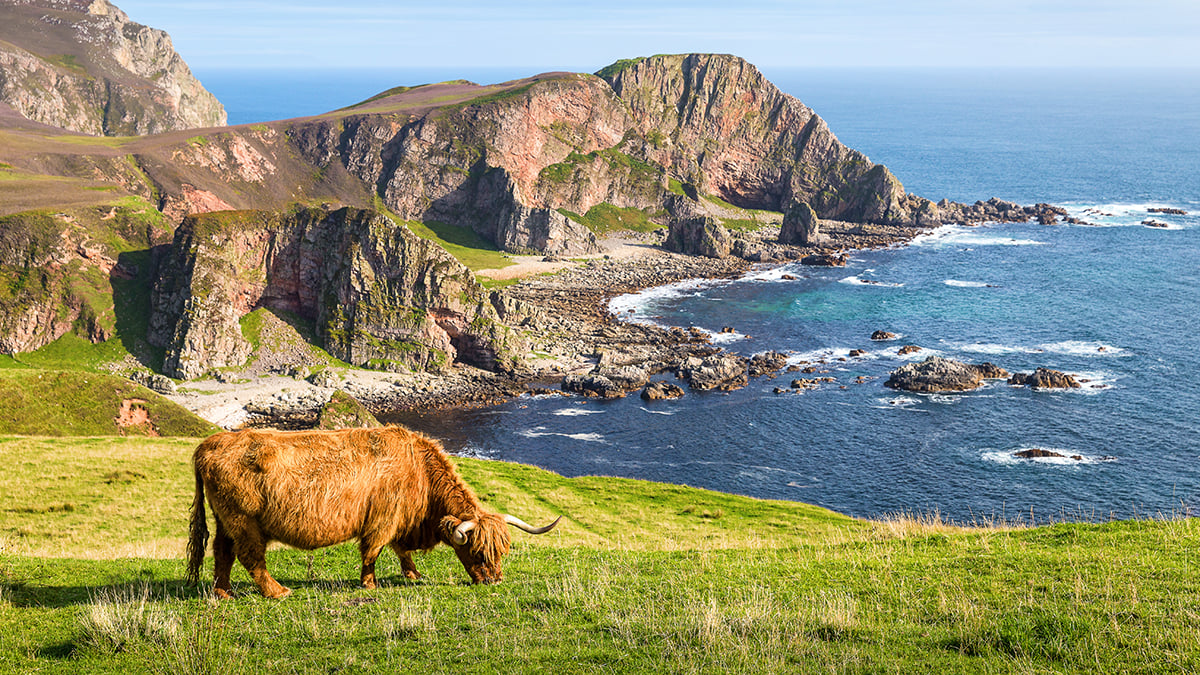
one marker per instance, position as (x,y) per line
(579,35)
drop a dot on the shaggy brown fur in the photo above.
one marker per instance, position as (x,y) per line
(310,489)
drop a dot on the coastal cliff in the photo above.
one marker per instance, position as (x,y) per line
(83,65)
(379,296)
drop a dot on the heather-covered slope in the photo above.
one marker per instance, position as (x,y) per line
(83,65)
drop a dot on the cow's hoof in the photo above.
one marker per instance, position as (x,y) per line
(282,593)
(223,594)
(414,575)
(369,584)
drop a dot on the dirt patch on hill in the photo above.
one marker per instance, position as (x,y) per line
(135,415)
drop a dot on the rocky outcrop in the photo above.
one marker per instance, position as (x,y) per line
(83,65)
(721,371)
(379,296)
(1044,378)
(883,335)
(660,391)
(343,411)
(935,374)
(703,236)
(801,227)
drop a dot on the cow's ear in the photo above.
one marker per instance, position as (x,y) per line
(446,529)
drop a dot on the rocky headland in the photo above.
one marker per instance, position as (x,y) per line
(258,269)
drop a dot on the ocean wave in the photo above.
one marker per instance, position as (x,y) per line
(1066,348)
(962,236)
(576,412)
(1128,215)
(859,281)
(475,452)
(967,284)
(538,432)
(638,307)
(657,412)
(1069,457)
(723,338)
(773,274)
(1093,381)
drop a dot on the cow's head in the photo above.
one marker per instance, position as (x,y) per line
(482,542)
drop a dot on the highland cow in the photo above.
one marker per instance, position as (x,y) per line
(310,489)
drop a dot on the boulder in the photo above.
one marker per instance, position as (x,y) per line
(343,411)
(325,378)
(703,236)
(1032,453)
(720,371)
(824,260)
(989,371)
(883,335)
(153,381)
(624,377)
(1044,378)
(935,374)
(767,363)
(657,391)
(908,349)
(801,227)
(592,385)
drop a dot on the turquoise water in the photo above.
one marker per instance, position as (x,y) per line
(1116,305)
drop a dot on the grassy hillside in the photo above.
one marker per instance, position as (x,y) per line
(639,577)
(74,403)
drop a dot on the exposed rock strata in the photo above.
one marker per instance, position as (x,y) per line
(83,65)
(379,296)
(702,236)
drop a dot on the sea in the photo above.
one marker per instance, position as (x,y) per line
(1116,304)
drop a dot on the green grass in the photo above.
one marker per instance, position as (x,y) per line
(603,219)
(639,577)
(615,68)
(75,403)
(470,249)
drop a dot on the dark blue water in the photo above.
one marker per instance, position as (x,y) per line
(1116,305)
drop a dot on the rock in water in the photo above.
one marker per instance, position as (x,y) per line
(824,260)
(801,227)
(883,335)
(1044,378)
(934,374)
(767,363)
(719,371)
(592,385)
(908,349)
(1032,453)
(657,391)
(990,371)
(698,236)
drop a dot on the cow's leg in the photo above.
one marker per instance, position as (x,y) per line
(370,553)
(251,549)
(406,562)
(223,562)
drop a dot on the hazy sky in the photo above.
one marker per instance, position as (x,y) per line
(577,35)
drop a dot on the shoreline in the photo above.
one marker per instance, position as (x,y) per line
(571,329)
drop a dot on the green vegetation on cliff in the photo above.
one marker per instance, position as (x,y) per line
(73,403)
(604,219)
(638,577)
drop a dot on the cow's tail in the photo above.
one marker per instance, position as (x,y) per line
(197,534)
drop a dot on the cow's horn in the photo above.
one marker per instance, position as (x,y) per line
(513,520)
(460,532)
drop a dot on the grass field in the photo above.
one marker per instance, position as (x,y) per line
(638,577)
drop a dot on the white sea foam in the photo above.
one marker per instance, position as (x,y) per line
(1065,348)
(962,236)
(475,452)
(1126,215)
(772,274)
(576,412)
(657,412)
(1093,381)
(966,284)
(538,432)
(1009,457)
(859,281)
(643,302)
(724,338)
(897,402)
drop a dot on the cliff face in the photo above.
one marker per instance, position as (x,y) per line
(378,295)
(83,65)
(714,121)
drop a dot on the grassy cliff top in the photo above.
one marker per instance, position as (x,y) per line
(638,577)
